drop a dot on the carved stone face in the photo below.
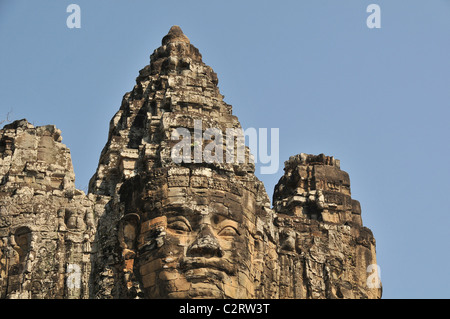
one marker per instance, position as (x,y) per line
(196,241)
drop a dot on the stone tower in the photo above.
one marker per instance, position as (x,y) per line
(47,226)
(174,209)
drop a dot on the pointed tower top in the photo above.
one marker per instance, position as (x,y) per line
(175,35)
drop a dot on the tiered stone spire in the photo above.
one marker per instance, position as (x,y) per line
(176,81)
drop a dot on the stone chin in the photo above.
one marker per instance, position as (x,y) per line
(199,290)
(205,283)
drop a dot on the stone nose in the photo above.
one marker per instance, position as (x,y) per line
(205,245)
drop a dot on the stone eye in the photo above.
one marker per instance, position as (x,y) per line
(228,231)
(179,226)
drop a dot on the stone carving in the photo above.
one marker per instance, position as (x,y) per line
(43,217)
(193,241)
(332,248)
(152,227)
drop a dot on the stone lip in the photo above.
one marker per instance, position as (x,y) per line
(175,35)
(216,263)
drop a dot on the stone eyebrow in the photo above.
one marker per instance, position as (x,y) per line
(172,218)
(227,218)
(230,215)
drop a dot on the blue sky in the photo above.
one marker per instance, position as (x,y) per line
(377,99)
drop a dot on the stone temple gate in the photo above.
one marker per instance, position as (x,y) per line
(152,228)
